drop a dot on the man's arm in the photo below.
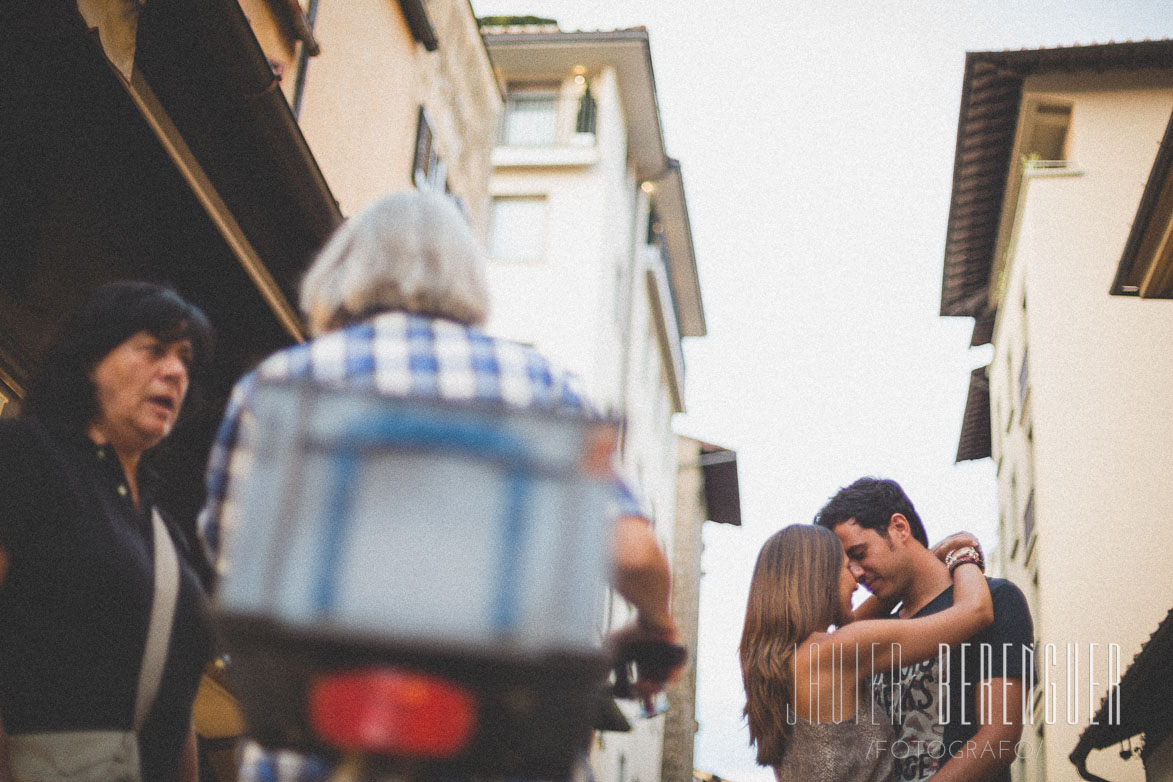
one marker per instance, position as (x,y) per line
(641,575)
(993,747)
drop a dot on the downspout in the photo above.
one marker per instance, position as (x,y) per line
(303,58)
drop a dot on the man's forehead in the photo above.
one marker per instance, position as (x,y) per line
(851,534)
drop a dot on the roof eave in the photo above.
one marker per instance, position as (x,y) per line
(672,208)
(988,119)
(520,54)
(1152,217)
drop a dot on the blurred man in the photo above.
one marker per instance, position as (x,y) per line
(393,302)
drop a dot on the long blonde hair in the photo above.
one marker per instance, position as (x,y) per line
(793,593)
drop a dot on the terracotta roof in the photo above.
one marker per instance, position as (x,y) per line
(975,423)
(990,99)
(1148,226)
(1145,697)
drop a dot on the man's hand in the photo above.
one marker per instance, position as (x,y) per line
(656,668)
(640,575)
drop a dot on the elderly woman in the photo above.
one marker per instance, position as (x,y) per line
(104,634)
(393,302)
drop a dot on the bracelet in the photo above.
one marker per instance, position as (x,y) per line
(963,555)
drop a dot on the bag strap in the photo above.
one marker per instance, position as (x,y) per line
(162,617)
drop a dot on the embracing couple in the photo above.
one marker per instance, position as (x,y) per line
(923,679)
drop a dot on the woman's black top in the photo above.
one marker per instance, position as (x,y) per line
(76,601)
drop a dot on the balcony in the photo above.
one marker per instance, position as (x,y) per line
(546,128)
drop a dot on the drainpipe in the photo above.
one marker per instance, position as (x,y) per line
(303,57)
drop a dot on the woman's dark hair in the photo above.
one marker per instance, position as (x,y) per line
(61,394)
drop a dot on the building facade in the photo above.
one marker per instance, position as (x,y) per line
(1054,150)
(591,261)
(389,95)
(706,490)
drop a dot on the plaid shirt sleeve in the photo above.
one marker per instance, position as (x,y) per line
(570,395)
(219,466)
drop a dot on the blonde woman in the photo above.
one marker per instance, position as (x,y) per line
(806,664)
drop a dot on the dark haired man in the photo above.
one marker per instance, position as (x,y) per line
(957,717)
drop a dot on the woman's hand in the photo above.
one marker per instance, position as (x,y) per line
(955,541)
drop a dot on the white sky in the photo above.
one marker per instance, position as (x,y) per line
(816,142)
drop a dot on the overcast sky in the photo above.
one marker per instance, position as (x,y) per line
(816,142)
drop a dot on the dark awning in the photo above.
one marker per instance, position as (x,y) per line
(211,76)
(975,423)
(722,495)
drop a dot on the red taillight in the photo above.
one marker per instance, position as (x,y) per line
(392,712)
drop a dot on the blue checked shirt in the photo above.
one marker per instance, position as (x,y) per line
(397,354)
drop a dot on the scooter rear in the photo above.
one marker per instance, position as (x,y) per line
(417,582)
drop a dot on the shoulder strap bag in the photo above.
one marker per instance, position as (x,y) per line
(109,755)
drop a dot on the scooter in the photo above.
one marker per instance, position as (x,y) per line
(412,587)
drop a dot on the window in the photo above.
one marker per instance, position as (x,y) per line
(428,171)
(1046,134)
(518,228)
(1013,512)
(1023,380)
(1028,519)
(531,115)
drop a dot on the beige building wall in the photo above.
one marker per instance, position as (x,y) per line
(363,93)
(1085,428)
(463,99)
(277,45)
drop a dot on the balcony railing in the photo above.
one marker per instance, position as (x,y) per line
(541,119)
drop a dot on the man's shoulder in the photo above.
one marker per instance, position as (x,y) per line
(1003,590)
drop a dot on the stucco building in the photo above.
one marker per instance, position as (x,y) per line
(1054,150)
(389,95)
(706,491)
(591,261)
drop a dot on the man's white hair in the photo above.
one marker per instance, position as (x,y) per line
(412,251)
